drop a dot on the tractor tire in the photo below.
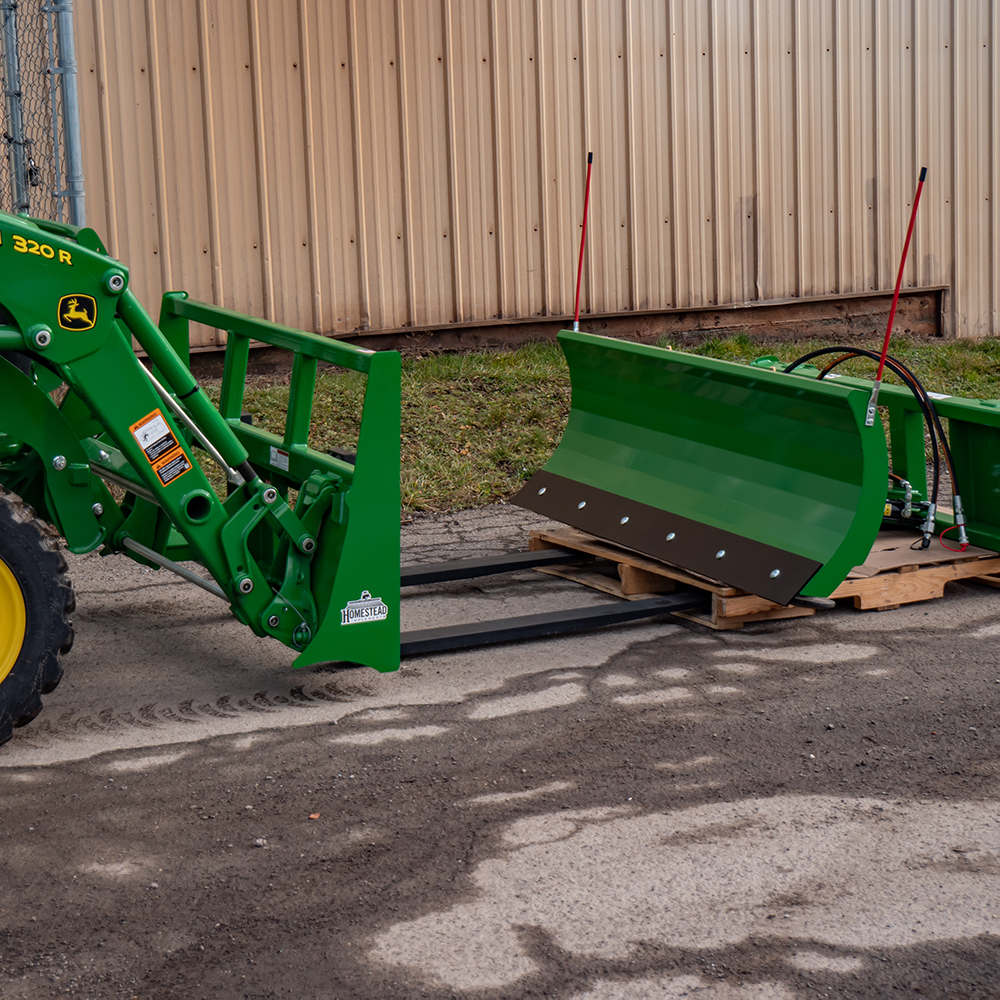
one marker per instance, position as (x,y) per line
(36,598)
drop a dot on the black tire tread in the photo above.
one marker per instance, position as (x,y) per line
(52,561)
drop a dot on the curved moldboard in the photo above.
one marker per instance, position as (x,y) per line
(778,471)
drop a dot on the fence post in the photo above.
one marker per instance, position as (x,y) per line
(71,112)
(12,92)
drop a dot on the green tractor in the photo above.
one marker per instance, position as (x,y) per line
(111,465)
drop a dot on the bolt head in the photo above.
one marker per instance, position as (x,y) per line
(270,495)
(115,282)
(720,554)
(246,585)
(98,509)
(59,463)
(43,338)
(308,544)
(775,573)
(274,621)
(103,455)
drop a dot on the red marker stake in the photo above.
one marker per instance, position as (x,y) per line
(583,240)
(873,400)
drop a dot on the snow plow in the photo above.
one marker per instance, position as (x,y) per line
(769,482)
(767,477)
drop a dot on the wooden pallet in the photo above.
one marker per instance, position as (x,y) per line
(892,575)
(895,574)
(633,576)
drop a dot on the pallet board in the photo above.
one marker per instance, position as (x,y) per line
(633,576)
(893,574)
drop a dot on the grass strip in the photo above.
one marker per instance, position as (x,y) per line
(474,426)
(956,367)
(477,425)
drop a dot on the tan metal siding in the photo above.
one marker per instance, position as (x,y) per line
(518,158)
(332,153)
(734,138)
(993,196)
(471,135)
(363,165)
(815,163)
(428,128)
(651,208)
(854,194)
(693,159)
(971,210)
(778,186)
(564,127)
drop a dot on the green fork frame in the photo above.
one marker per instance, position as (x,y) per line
(323,577)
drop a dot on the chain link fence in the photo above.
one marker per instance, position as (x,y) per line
(39,120)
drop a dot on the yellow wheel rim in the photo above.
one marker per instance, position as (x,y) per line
(12,620)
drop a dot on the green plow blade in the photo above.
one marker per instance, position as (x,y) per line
(768,482)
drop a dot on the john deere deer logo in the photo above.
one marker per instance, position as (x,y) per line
(77,312)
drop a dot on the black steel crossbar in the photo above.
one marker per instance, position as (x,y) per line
(436,640)
(468,569)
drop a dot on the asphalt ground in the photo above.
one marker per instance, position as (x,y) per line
(802,808)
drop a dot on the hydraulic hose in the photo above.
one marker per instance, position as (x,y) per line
(934,427)
(919,394)
(930,408)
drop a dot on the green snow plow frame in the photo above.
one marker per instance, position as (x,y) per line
(323,577)
(768,481)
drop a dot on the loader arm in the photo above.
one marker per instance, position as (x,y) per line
(322,576)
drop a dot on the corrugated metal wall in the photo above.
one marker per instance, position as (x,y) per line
(354,165)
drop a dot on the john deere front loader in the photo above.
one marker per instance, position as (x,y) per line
(101,450)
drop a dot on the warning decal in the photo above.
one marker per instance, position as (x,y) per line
(279,458)
(159,445)
(175,464)
(154,436)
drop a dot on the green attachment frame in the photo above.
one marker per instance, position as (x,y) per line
(322,576)
(355,507)
(769,482)
(973,427)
